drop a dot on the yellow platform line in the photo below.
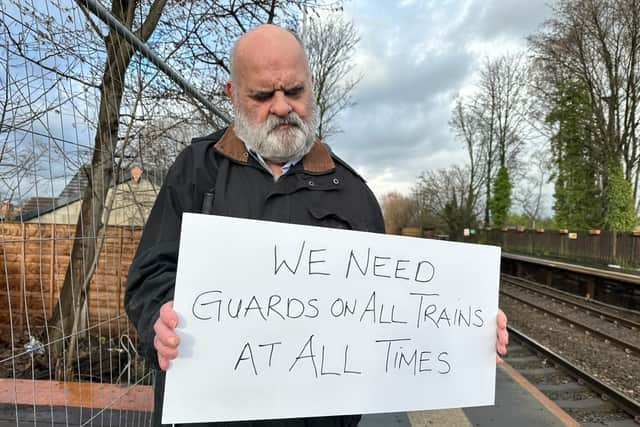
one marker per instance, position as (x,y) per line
(549,404)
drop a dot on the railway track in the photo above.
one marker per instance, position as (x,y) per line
(627,339)
(616,315)
(610,286)
(587,399)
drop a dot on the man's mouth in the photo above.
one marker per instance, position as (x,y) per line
(284,125)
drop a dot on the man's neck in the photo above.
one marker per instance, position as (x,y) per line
(276,168)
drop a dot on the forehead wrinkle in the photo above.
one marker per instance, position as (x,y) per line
(279,78)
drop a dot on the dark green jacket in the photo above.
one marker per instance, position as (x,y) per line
(216,175)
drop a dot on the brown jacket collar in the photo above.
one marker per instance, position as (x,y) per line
(317,160)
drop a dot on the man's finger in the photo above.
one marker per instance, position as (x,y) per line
(168,316)
(501,319)
(503,337)
(501,348)
(164,351)
(165,334)
(163,363)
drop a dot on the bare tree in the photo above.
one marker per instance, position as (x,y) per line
(399,211)
(92,76)
(101,174)
(530,193)
(445,194)
(330,43)
(468,128)
(492,121)
(22,146)
(503,108)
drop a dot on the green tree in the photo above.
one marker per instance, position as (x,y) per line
(620,214)
(501,200)
(578,197)
(597,43)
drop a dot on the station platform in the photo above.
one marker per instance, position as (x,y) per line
(518,403)
(626,276)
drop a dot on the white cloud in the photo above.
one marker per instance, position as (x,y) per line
(415,57)
(385,181)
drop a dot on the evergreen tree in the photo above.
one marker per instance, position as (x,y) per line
(501,200)
(578,197)
(621,213)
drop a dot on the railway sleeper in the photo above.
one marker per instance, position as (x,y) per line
(593,404)
(523,360)
(568,387)
(516,350)
(558,396)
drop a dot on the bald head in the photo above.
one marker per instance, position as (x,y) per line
(262,46)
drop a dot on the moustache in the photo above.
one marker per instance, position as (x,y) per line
(291,119)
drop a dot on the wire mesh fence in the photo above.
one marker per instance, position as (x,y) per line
(89,126)
(52,87)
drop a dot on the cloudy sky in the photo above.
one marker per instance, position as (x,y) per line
(415,56)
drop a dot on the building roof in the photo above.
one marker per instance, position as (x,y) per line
(74,191)
(35,203)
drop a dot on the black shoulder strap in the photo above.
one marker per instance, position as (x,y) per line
(207,201)
(210,196)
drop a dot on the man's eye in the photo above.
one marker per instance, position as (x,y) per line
(294,91)
(262,96)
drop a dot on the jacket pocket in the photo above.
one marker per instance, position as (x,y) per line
(328,218)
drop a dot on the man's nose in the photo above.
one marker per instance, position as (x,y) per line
(280,104)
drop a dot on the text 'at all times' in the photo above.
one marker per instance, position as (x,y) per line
(397,355)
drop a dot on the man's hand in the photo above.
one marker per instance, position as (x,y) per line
(166,341)
(502,335)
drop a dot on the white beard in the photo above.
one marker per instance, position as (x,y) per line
(277,145)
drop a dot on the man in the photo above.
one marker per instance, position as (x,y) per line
(267,166)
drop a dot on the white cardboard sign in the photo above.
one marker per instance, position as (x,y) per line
(283,321)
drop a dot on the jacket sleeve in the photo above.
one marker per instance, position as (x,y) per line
(371,214)
(151,277)
(377,220)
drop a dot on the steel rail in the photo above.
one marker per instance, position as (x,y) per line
(627,404)
(612,317)
(622,310)
(106,17)
(625,345)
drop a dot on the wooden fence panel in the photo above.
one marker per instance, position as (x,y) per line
(601,249)
(33,263)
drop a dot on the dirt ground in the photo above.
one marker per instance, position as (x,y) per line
(98,359)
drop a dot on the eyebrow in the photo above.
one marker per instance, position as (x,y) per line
(267,93)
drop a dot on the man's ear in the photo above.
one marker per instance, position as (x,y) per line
(228,89)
